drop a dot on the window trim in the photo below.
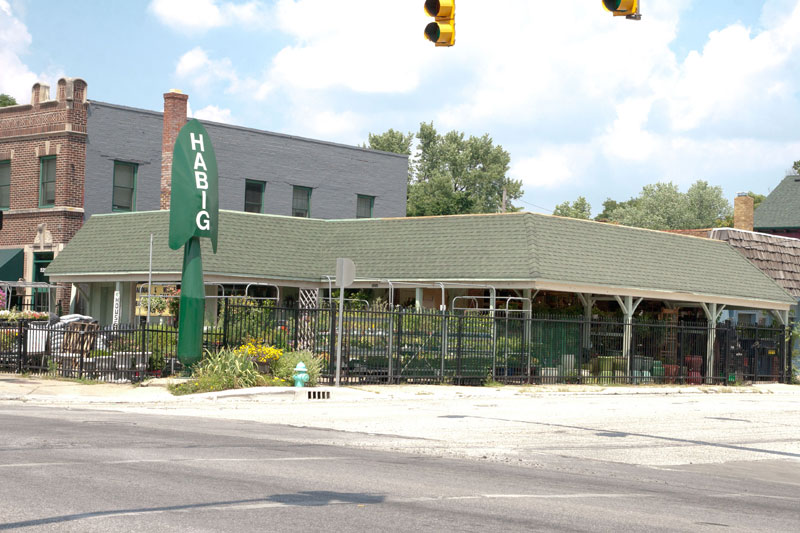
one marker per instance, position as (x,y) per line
(41,181)
(308,194)
(135,166)
(263,185)
(8,162)
(371,205)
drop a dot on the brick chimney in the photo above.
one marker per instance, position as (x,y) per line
(743,212)
(174,119)
(40,92)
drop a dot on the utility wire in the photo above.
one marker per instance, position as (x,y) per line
(547,209)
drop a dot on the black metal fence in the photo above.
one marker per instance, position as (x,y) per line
(423,347)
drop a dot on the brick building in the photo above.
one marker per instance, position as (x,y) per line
(63,160)
(42,164)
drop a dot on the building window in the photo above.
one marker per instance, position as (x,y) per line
(254,196)
(5,184)
(124,195)
(301,202)
(47,182)
(364,206)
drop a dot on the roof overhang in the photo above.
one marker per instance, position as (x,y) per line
(671,296)
(461,283)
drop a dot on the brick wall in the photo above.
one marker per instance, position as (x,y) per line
(29,132)
(175,106)
(743,212)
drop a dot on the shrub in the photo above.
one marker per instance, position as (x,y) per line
(283,368)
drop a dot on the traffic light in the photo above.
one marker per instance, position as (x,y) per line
(443,30)
(624,8)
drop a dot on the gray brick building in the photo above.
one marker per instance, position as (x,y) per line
(278,167)
(64,160)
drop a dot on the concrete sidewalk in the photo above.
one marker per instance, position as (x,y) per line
(46,390)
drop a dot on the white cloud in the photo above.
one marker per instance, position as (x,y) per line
(737,76)
(361,45)
(535,68)
(213,114)
(584,98)
(16,79)
(201,15)
(203,73)
(626,138)
(553,166)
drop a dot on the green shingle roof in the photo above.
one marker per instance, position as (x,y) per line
(781,209)
(478,248)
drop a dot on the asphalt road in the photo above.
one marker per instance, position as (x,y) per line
(92,470)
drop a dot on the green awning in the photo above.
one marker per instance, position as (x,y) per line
(11,264)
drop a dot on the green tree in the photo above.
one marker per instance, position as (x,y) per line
(796,167)
(6,100)
(451,173)
(663,206)
(580,208)
(610,205)
(708,207)
(391,141)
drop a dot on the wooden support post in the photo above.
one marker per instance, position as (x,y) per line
(628,308)
(713,312)
(588,302)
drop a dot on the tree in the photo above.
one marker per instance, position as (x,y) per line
(452,174)
(664,206)
(6,100)
(609,206)
(391,141)
(580,208)
(708,208)
(796,167)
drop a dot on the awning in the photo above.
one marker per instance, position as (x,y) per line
(11,264)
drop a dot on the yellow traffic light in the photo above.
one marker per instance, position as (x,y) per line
(624,8)
(443,30)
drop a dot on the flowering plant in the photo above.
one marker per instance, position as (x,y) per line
(12,315)
(260,352)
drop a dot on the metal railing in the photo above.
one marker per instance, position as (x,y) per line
(412,346)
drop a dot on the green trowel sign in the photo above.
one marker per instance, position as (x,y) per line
(193,213)
(194,203)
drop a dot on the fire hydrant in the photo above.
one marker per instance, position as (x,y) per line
(300,375)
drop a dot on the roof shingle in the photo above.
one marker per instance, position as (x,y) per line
(508,247)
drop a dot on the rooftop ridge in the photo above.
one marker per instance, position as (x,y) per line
(251,130)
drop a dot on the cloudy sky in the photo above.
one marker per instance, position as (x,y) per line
(586,104)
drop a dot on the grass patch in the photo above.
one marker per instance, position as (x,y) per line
(235,369)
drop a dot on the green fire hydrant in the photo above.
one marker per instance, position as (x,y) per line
(300,375)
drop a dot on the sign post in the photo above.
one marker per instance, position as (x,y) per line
(345,275)
(115,316)
(193,213)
